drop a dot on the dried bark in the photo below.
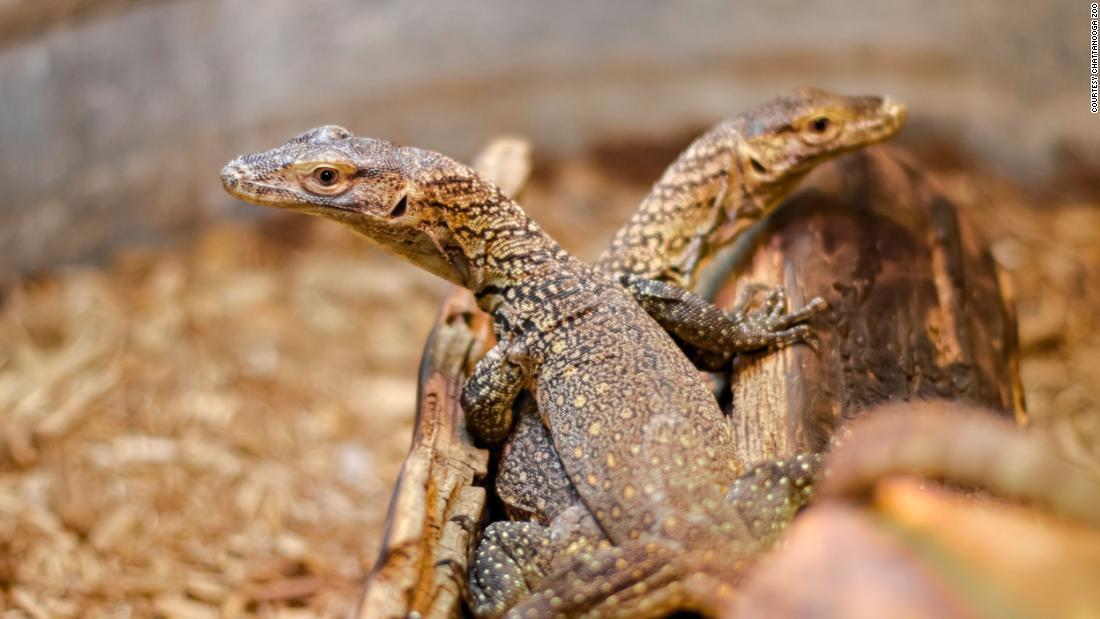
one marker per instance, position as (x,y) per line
(440,491)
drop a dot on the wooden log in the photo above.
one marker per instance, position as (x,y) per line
(917,306)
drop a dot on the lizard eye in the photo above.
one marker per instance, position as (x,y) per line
(819,129)
(325,180)
(326,177)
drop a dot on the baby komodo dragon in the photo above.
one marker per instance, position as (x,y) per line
(637,430)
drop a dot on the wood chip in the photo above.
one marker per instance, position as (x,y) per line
(117,524)
(178,607)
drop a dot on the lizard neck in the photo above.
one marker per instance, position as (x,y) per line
(498,248)
(542,305)
(669,234)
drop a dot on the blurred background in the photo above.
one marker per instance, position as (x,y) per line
(203,405)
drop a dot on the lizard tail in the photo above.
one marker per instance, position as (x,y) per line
(964,445)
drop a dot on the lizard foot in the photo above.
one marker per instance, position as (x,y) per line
(770,322)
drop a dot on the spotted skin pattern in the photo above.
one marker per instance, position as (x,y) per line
(730,177)
(531,481)
(734,174)
(514,558)
(738,172)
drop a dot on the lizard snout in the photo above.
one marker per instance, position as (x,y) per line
(895,110)
(231,175)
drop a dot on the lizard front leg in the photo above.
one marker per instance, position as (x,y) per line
(488,396)
(711,335)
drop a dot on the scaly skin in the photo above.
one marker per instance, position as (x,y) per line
(637,430)
(959,443)
(489,396)
(735,174)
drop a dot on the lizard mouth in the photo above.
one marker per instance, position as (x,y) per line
(894,109)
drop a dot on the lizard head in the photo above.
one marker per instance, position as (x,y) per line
(370,186)
(784,139)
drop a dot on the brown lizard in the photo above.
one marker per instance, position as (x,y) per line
(636,567)
(638,432)
(730,177)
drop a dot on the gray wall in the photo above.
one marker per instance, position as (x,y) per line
(113,126)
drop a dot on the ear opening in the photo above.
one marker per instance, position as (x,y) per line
(400,208)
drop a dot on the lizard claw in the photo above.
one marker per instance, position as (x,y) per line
(782,321)
(454,566)
(747,299)
(809,338)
